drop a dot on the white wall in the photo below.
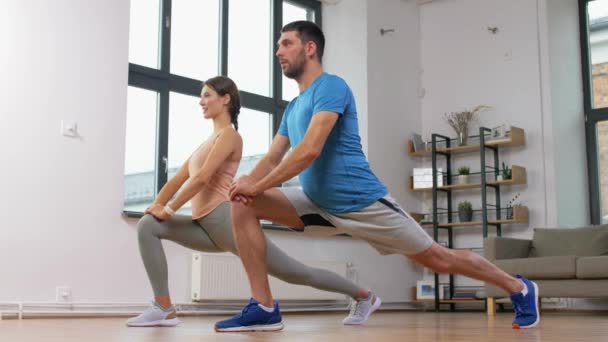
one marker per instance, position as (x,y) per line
(394,106)
(345,28)
(61,220)
(61,209)
(466,65)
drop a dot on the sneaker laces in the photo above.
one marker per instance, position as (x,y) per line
(246,309)
(517,308)
(520,306)
(154,306)
(353,307)
(358,309)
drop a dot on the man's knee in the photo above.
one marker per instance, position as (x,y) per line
(240,211)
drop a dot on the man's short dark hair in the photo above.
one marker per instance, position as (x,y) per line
(308,31)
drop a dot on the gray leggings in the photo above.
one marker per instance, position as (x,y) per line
(213,233)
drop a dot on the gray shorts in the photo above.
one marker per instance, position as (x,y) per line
(384,225)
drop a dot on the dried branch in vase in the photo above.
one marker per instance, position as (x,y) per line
(460,121)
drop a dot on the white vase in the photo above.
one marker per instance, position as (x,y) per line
(498,177)
(463,179)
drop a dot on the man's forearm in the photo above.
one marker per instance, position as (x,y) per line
(298,160)
(262,169)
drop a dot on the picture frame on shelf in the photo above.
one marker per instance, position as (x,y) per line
(419,144)
(423,177)
(498,132)
(425,289)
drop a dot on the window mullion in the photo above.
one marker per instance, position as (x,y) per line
(162,142)
(277,79)
(223,57)
(165,37)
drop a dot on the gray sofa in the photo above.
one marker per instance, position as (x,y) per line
(567,262)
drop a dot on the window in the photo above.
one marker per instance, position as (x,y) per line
(594,52)
(250,45)
(142,109)
(256,129)
(144,33)
(195,40)
(174,46)
(187,131)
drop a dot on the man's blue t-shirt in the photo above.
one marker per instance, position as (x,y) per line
(340,179)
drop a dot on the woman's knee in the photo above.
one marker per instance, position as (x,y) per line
(147,225)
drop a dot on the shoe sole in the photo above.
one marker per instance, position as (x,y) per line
(162,323)
(517,326)
(375,307)
(253,328)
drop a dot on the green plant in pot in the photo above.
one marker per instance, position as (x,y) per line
(510,205)
(463,174)
(465,211)
(505,172)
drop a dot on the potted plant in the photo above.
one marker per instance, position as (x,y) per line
(460,121)
(510,205)
(505,173)
(463,174)
(465,211)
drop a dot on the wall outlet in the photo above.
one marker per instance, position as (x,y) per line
(63,294)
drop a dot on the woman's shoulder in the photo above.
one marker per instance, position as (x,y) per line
(229,135)
(229,132)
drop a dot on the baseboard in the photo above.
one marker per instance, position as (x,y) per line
(20,310)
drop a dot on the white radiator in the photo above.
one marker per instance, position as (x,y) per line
(222,277)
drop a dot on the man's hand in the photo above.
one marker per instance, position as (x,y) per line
(243,190)
(158,212)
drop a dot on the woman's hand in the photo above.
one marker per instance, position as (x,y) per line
(148,209)
(158,212)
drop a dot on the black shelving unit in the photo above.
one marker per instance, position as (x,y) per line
(436,190)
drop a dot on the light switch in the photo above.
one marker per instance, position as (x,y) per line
(69,128)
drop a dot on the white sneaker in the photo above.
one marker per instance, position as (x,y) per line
(155,316)
(360,310)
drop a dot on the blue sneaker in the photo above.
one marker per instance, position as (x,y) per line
(252,318)
(526,307)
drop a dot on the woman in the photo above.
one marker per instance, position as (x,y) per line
(210,171)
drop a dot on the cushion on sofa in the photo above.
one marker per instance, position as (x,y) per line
(557,267)
(585,241)
(592,267)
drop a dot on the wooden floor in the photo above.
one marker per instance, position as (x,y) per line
(383,326)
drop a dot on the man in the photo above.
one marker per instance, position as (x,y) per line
(339,191)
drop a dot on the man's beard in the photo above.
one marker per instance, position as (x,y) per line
(295,71)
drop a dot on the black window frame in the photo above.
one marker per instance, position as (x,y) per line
(592,117)
(163,82)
